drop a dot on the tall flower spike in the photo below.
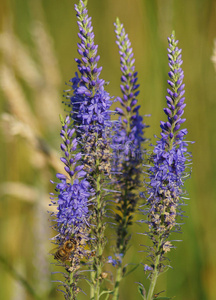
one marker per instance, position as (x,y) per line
(90,102)
(71,215)
(168,171)
(89,108)
(127,150)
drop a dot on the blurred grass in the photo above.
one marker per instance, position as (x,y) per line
(30,137)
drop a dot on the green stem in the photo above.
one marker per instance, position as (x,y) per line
(71,286)
(100,241)
(155,273)
(153,280)
(117,282)
(99,234)
(92,287)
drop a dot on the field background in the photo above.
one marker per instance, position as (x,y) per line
(37,49)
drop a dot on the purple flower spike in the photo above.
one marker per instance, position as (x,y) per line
(89,107)
(89,103)
(72,192)
(133,134)
(127,140)
(167,172)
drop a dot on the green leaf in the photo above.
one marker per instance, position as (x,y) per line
(133,269)
(142,291)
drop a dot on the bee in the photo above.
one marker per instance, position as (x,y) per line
(63,253)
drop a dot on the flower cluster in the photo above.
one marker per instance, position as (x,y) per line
(72,214)
(127,139)
(73,190)
(168,170)
(89,105)
(89,109)
(103,162)
(90,102)
(115,261)
(129,132)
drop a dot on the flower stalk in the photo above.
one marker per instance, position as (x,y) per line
(127,140)
(89,108)
(167,172)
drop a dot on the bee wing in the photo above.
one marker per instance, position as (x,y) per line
(53,251)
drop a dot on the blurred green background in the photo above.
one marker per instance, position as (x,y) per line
(37,50)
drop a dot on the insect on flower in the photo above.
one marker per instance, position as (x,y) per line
(64,251)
